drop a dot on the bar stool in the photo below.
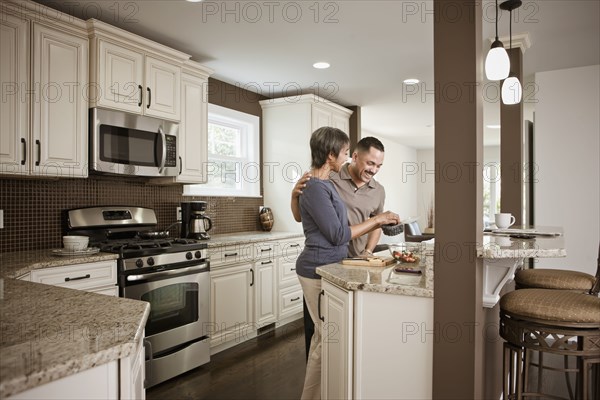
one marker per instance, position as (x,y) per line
(556,279)
(550,321)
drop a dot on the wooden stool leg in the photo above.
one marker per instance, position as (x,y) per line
(505,372)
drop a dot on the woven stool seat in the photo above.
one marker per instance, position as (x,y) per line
(561,322)
(556,307)
(554,279)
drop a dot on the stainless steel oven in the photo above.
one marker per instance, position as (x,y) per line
(129,144)
(178,324)
(171,274)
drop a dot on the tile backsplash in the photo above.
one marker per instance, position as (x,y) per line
(32,207)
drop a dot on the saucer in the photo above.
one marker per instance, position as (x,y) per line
(86,252)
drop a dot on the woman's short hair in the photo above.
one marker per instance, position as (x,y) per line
(325,141)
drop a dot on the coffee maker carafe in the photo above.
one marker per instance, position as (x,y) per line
(194,223)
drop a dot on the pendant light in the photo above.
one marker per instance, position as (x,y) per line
(511,87)
(497,63)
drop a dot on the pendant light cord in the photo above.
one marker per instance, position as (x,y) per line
(510,30)
(496,19)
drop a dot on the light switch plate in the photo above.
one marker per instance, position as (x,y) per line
(178,215)
(1,219)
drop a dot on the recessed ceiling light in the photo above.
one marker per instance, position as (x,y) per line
(493,126)
(194,1)
(321,65)
(411,81)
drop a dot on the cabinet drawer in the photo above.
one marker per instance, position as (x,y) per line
(287,273)
(265,251)
(290,249)
(230,254)
(290,301)
(80,276)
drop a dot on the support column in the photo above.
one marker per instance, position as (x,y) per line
(458,349)
(511,143)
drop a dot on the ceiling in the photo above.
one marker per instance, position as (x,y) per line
(269,47)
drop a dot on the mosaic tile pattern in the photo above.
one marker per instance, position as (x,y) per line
(32,207)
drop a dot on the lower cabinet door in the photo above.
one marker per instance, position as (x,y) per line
(337,309)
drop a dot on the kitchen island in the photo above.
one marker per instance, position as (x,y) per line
(378,330)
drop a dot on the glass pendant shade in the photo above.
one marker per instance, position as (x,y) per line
(497,63)
(511,91)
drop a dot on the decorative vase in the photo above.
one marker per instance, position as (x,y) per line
(266,219)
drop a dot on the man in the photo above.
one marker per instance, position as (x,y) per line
(363,197)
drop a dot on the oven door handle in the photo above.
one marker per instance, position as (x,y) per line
(152,275)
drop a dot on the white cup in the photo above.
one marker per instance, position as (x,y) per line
(504,220)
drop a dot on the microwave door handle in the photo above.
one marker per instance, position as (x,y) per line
(163,144)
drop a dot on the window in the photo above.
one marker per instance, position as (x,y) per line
(233,158)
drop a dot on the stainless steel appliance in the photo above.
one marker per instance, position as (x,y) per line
(194,222)
(129,144)
(171,274)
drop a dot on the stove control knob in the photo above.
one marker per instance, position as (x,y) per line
(150,261)
(188,255)
(198,254)
(139,263)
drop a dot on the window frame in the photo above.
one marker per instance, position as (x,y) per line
(249,147)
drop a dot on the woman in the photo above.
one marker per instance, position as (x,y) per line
(325,224)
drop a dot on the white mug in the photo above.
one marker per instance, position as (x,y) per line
(504,220)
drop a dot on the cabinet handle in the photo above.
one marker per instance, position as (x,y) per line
(269,249)
(24,151)
(230,254)
(319,305)
(39,152)
(266,262)
(180,165)
(148,357)
(78,278)
(292,269)
(149,97)
(295,299)
(294,245)
(140,88)
(252,272)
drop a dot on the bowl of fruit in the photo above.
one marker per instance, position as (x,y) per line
(403,255)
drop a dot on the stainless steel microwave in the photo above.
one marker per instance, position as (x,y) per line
(129,144)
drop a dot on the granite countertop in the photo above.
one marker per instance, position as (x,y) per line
(13,265)
(383,279)
(225,239)
(49,332)
(504,246)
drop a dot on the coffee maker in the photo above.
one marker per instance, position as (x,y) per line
(194,223)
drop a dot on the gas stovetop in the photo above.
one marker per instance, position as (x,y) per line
(134,246)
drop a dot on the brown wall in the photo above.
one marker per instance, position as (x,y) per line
(32,207)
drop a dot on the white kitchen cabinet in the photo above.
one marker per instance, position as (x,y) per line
(337,342)
(287,126)
(45,115)
(99,277)
(134,74)
(192,137)
(122,379)
(231,305)
(290,296)
(266,284)
(376,345)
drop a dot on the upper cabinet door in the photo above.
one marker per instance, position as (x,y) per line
(120,77)
(14,107)
(341,121)
(60,118)
(192,138)
(163,82)
(320,117)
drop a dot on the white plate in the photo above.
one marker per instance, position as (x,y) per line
(86,252)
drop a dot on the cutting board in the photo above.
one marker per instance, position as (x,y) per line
(369,262)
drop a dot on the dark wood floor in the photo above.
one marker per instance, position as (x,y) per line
(270,366)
